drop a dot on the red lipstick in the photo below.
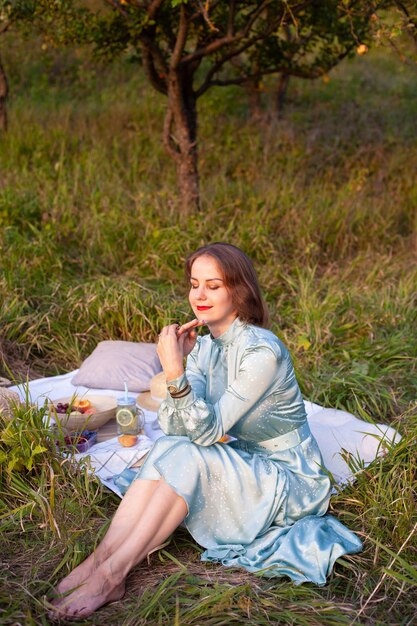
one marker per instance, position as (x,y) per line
(203,308)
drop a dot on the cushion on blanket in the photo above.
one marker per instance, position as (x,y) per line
(113,362)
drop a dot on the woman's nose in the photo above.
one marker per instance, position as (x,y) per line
(201,294)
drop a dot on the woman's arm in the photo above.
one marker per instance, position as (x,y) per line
(205,423)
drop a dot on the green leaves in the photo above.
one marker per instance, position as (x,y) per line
(300,38)
(24,440)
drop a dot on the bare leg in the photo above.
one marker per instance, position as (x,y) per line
(127,516)
(164,513)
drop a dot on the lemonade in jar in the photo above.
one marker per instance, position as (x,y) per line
(130,420)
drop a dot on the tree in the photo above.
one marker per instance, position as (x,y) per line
(397,28)
(189,46)
(4,91)
(4,85)
(11,13)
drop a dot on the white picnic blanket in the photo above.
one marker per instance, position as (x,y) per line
(347,443)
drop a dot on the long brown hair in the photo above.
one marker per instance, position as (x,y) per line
(240,279)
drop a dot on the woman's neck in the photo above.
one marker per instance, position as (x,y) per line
(219,328)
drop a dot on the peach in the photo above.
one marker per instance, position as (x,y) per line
(128,441)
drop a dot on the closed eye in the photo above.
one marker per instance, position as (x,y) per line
(211,287)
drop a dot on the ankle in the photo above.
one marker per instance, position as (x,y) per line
(112,573)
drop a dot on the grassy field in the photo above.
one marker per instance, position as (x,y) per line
(92,247)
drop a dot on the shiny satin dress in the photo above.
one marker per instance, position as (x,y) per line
(258,502)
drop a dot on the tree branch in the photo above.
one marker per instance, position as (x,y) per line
(158,82)
(228,39)
(411,22)
(147,38)
(208,81)
(218,65)
(209,49)
(300,73)
(139,4)
(231,18)
(276,70)
(198,13)
(118,7)
(232,37)
(254,16)
(206,17)
(403,8)
(153,8)
(181,39)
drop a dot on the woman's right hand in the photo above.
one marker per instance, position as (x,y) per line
(170,352)
(176,342)
(187,335)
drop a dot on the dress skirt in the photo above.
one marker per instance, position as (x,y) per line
(251,508)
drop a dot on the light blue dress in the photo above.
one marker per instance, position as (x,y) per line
(258,502)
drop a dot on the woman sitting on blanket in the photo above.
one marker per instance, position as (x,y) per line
(258,502)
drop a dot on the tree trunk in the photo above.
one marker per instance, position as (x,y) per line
(284,79)
(180,138)
(254,99)
(4,90)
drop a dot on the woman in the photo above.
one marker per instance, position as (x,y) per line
(258,502)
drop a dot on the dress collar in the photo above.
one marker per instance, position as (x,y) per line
(231,333)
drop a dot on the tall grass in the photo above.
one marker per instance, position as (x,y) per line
(92,247)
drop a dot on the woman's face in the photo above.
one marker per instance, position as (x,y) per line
(209,298)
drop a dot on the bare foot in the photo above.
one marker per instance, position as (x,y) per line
(99,589)
(78,575)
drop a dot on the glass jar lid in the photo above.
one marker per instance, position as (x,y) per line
(123,401)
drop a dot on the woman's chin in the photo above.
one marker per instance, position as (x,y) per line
(201,316)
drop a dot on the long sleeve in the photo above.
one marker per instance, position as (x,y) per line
(204,422)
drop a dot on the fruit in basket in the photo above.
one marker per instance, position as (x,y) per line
(88,411)
(78,406)
(81,405)
(72,418)
(63,407)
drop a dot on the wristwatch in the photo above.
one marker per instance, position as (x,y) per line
(173,389)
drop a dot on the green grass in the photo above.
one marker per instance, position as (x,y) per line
(92,247)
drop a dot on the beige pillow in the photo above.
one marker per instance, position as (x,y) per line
(113,362)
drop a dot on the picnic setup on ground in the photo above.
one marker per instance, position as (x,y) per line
(344,440)
(209,432)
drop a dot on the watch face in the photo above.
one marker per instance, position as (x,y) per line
(172,389)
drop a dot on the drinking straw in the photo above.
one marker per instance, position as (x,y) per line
(126,392)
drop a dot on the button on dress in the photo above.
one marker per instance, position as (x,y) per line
(260,501)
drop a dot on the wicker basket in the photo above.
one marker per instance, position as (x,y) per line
(76,422)
(8,400)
